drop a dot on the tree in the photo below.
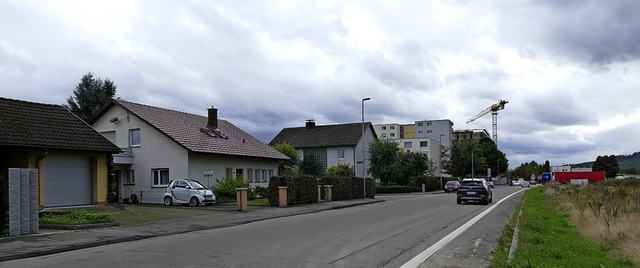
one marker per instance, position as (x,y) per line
(384,161)
(310,166)
(90,95)
(494,158)
(288,167)
(413,164)
(608,164)
(462,155)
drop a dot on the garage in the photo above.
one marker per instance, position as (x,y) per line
(67,180)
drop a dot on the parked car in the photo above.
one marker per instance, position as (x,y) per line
(490,183)
(474,190)
(525,184)
(532,182)
(451,186)
(188,191)
(515,182)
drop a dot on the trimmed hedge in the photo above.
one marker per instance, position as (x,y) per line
(394,189)
(431,183)
(345,188)
(300,189)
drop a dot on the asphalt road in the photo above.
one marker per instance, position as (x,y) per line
(387,234)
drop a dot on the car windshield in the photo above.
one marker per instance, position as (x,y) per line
(471,183)
(452,183)
(196,185)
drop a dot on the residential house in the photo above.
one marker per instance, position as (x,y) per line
(427,146)
(70,156)
(161,145)
(441,130)
(331,144)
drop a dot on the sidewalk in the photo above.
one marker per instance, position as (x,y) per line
(51,242)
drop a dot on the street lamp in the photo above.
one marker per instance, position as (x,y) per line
(364,161)
(441,160)
(472,171)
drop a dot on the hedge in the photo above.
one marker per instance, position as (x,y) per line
(345,188)
(300,189)
(394,189)
(431,183)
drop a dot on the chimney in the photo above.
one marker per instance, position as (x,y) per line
(213,117)
(311,124)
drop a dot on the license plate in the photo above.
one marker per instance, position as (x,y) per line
(471,192)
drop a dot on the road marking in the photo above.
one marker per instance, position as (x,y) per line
(423,256)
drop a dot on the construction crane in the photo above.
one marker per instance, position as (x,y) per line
(493,109)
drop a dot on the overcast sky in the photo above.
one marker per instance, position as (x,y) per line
(569,69)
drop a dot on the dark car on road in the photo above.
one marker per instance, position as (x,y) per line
(451,186)
(476,190)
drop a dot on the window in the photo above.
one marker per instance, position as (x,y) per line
(341,154)
(134,137)
(250,174)
(419,124)
(407,144)
(424,144)
(130,178)
(384,128)
(384,135)
(428,131)
(239,173)
(392,127)
(228,173)
(393,134)
(419,132)
(270,173)
(428,124)
(264,175)
(160,177)
(257,179)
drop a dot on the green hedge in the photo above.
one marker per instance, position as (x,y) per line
(431,183)
(345,188)
(394,189)
(300,189)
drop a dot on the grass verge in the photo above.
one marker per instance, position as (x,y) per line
(77,217)
(258,202)
(547,239)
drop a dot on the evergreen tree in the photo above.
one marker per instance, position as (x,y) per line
(90,95)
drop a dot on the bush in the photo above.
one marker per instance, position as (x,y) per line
(431,183)
(340,170)
(225,191)
(260,192)
(77,217)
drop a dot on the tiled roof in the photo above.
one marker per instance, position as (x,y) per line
(186,130)
(321,136)
(47,126)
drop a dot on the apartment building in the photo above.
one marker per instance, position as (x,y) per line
(469,134)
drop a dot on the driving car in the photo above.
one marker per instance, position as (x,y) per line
(490,183)
(188,191)
(451,186)
(525,184)
(474,190)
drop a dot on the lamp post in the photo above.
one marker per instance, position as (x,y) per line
(364,161)
(472,173)
(441,160)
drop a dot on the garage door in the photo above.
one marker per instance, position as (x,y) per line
(67,180)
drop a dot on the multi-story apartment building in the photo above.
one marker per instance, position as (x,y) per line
(427,146)
(469,134)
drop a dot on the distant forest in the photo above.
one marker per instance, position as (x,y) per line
(624,161)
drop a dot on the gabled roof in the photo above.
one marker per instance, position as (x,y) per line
(191,132)
(322,136)
(47,126)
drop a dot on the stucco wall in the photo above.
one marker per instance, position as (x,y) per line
(199,164)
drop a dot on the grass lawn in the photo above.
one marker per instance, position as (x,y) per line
(258,202)
(547,239)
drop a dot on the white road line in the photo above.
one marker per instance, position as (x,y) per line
(423,256)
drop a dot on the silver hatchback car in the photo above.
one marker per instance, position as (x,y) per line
(188,191)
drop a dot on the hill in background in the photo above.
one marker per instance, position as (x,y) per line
(624,161)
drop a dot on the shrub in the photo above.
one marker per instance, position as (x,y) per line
(225,191)
(431,183)
(260,192)
(344,188)
(340,170)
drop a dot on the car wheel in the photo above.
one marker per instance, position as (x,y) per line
(459,201)
(194,202)
(168,201)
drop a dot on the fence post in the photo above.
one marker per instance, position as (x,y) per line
(329,193)
(282,196)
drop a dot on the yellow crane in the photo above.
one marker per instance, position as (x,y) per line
(493,109)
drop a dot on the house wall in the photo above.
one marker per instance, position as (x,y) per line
(432,150)
(363,143)
(156,151)
(201,163)
(332,156)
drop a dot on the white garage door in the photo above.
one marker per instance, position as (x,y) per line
(67,180)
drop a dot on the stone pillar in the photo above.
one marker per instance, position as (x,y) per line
(33,200)
(25,218)
(329,193)
(319,193)
(241,199)
(14,201)
(282,196)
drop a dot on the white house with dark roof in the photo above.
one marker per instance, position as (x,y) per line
(331,144)
(161,145)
